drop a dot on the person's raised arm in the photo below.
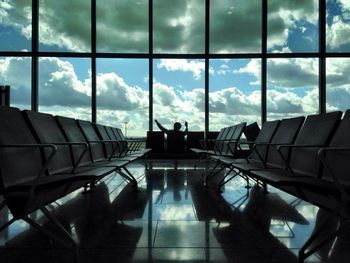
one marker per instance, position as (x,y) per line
(186,127)
(161,127)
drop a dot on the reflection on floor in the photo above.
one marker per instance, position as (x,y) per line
(173,218)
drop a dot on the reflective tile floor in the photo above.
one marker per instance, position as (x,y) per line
(172,218)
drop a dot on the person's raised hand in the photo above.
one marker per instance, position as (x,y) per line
(186,124)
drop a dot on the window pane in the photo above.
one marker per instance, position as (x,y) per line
(292,87)
(178,93)
(122,94)
(65,25)
(15,25)
(16,72)
(338,87)
(232,30)
(338,26)
(122,26)
(292,26)
(178,26)
(234,92)
(65,87)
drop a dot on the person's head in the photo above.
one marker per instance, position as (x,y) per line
(177,126)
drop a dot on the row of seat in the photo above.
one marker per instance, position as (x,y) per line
(45,157)
(225,144)
(306,157)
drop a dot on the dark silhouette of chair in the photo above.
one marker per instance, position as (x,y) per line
(23,180)
(155,141)
(175,142)
(265,136)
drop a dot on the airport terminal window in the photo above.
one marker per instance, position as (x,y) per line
(122,26)
(292,26)
(122,94)
(292,87)
(338,84)
(15,71)
(15,25)
(64,25)
(276,58)
(234,92)
(338,26)
(178,26)
(232,30)
(65,87)
(178,92)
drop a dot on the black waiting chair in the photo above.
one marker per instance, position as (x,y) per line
(29,180)
(264,136)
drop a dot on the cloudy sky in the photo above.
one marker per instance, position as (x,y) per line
(122,84)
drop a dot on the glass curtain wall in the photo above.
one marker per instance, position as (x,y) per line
(212,63)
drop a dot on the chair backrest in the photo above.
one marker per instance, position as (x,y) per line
(97,150)
(338,161)
(286,133)
(251,131)
(103,135)
(193,139)
(17,165)
(176,142)
(73,133)
(123,143)
(234,135)
(47,131)
(237,135)
(317,130)
(221,144)
(265,136)
(120,146)
(121,135)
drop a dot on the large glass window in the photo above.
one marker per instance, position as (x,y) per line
(15,25)
(65,25)
(178,57)
(338,84)
(178,26)
(122,94)
(338,25)
(234,92)
(232,30)
(65,87)
(292,87)
(16,72)
(122,26)
(178,92)
(292,26)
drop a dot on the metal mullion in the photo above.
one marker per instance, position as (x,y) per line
(206,71)
(150,64)
(65,54)
(34,53)
(93,61)
(264,60)
(322,58)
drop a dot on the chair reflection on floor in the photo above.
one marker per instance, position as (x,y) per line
(167,181)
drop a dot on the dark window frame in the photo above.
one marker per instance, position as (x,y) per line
(322,55)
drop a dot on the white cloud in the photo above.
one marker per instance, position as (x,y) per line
(193,66)
(114,93)
(338,33)
(283,17)
(17,14)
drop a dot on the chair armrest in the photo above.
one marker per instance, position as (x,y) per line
(300,146)
(84,144)
(280,147)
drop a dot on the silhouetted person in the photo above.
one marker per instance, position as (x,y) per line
(175,137)
(176,130)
